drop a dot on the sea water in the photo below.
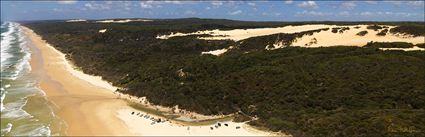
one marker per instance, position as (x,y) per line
(25,110)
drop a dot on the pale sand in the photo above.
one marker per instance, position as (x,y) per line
(240,34)
(349,38)
(415,48)
(144,126)
(120,21)
(77,20)
(324,38)
(89,107)
(215,52)
(102,31)
(169,110)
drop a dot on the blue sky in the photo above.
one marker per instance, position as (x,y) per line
(238,10)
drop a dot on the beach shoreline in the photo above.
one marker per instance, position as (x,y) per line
(90,106)
(77,101)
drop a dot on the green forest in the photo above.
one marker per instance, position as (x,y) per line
(332,92)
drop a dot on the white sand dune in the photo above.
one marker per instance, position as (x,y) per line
(120,21)
(240,34)
(349,38)
(76,20)
(415,48)
(218,52)
(215,52)
(102,31)
(321,39)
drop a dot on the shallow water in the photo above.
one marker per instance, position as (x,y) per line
(25,110)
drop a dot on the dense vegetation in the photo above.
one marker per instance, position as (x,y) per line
(421,45)
(332,92)
(389,45)
(414,30)
(374,27)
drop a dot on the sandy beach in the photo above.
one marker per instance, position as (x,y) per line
(89,106)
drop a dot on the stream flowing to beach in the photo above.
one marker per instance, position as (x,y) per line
(25,111)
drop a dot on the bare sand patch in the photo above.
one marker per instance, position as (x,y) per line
(102,30)
(120,21)
(349,38)
(76,20)
(240,34)
(320,39)
(415,48)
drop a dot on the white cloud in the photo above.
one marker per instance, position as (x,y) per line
(366,13)
(344,13)
(349,5)
(312,13)
(98,6)
(216,3)
(271,14)
(289,1)
(120,6)
(57,10)
(397,3)
(416,3)
(235,12)
(157,4)
(371,2)
(308,5)
(146,5)
(67,1)
(387,13)
(230,3)
(251,3)
(190,12)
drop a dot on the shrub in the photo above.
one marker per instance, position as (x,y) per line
(362,33)
(421,45)
(414,30)
(383,32)
(374,27)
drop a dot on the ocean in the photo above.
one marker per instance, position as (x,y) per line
(25,110)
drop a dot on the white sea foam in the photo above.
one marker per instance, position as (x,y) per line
(7,129)
(32,130)
(15,56)
(23,63)
(7,38)
(13,110)
(3,95)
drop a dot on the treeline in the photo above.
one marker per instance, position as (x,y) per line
(414,30)
(393,45)
(335,91)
